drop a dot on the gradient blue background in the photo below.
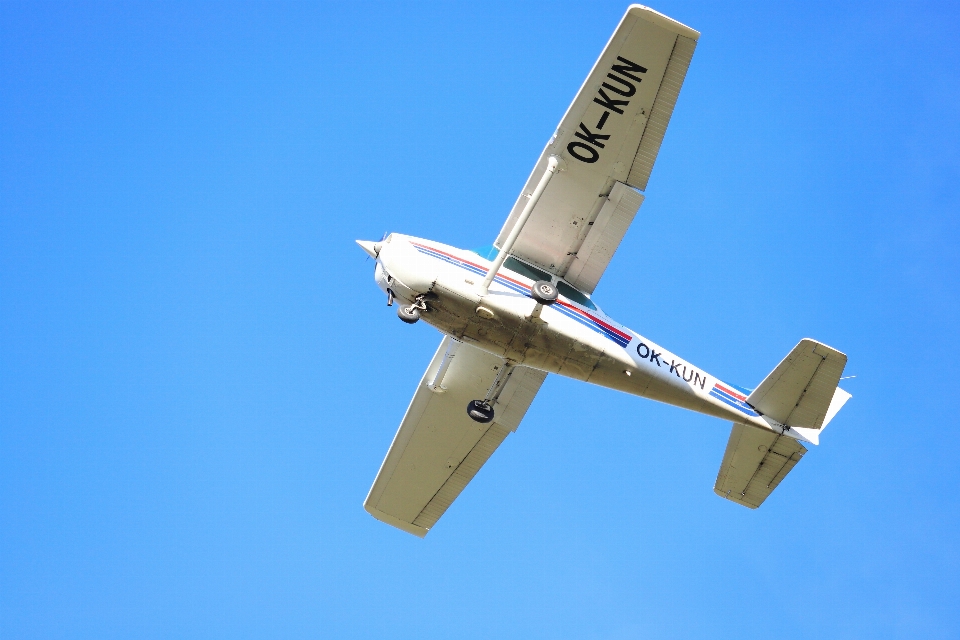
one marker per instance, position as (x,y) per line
(199,378)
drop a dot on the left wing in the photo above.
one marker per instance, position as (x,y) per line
(438,448)
(608,140)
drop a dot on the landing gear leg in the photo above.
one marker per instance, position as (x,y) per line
(482,410)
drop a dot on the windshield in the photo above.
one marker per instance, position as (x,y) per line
(488,252)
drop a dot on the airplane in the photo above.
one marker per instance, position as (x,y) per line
(513,312)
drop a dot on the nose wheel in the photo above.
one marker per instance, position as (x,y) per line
(480,411)
(410,313)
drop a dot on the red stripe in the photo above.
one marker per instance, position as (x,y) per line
(603,324)
(444,253)
(733,393)
(519,284)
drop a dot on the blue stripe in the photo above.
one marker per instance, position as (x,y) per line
(472,269)
(448,260)
(512,286)
(736,404)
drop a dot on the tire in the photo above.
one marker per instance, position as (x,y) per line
(480,411)
(544,292)
(408,313)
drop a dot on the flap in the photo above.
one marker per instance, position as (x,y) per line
(604,237)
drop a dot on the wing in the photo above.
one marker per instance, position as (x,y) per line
(754,464)
(610,135)
(438,448)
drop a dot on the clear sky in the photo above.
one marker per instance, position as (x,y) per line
(199,377)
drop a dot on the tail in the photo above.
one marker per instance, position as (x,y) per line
(802,392)
(839,399)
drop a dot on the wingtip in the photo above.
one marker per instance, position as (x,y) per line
(662,20)
(394,521)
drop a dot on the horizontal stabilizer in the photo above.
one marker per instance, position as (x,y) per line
(754,463)
(799,391)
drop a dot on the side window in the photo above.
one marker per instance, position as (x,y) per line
(526,270)
(572,294)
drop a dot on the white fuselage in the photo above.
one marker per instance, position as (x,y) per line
(568,338)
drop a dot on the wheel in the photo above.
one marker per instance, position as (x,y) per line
(480,411)
(408,313)
(544,292)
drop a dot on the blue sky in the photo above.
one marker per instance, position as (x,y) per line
(199,378)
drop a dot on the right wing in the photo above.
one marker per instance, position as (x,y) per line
(608,140)
(754,463)
(438,448)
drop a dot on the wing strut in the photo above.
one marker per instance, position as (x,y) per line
(451,352)
(552,164)
(493,393)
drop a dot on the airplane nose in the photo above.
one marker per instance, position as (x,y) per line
(372,248)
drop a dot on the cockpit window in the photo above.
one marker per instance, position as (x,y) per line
(572,294)
(491,253)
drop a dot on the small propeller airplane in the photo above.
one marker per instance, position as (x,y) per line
(515,311)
